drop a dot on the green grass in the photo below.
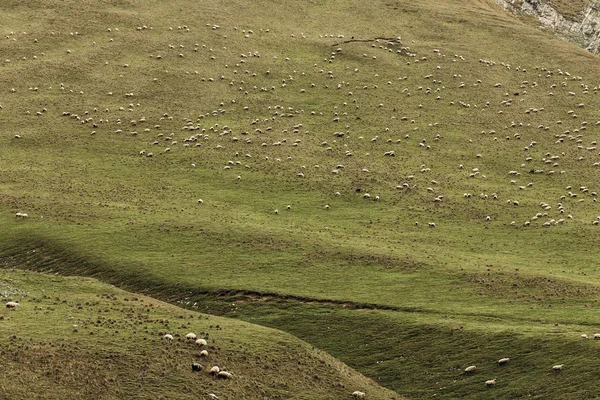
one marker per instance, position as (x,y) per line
(98,208)
(76,337)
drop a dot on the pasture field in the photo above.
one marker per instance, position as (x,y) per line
(410,187)
(76,338)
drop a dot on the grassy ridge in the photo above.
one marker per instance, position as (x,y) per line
(75,337)
(99,208)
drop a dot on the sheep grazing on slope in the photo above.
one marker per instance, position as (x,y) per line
(204,353)
(503,361)
(490,382)
(12,305)
(358,394)
(584,336)
(558,368)
(168,337)
(201,342)
(190,336)
(214,370)
(596,336)
(470,369)
(196,367)
(21,215)
(224,375)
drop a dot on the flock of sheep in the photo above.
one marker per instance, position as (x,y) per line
(280,134)
(215,370)
(503,361)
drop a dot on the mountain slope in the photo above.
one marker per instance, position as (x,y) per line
(72,338)
(439,164)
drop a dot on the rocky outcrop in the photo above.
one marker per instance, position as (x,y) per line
(583,30)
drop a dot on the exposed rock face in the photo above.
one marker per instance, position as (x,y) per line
(583,30)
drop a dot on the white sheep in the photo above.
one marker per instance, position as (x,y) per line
(21,215)
(168,337)
(203,353)
(558,368)
(470,368)
(224,375)
(503,361)
(12,305)
(596,336)
(190,336)
(358,394)
(201,342)
(490,382)
(214,370)
(584,336)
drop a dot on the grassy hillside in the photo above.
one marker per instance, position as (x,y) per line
(74,338)
(279,116)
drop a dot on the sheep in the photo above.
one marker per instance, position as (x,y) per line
(503,361)
(203,353)
(584,336)
(596,336)
(558,368)
(12,305)
(358,394)
(224,375)
(200,201)
(168,337)
(196,367)
(213,396)
(21,215)
(490,382)
(190,336)
(470,368)
(214,370)
(432,224)
(201,342)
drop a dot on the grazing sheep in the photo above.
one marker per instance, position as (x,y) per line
(200,201)
(214,370)
(584,336)
(432,224)
(21,215)
(490,382)
(470,368)
(596,336)
(224,375)
(190,336)
(358,394)
(168,337)
(213,396)
(503,361)
(558,368)
(12,305)
(197,367)
(201,342)
(203,353)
